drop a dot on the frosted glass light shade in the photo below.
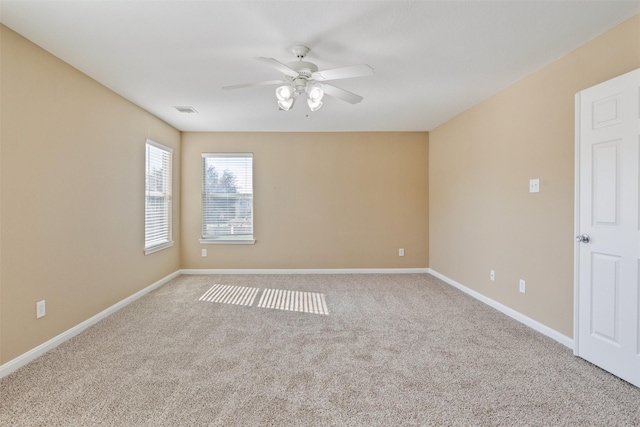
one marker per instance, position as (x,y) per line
(284,93)
(314,105)
(285,104)
(315,94)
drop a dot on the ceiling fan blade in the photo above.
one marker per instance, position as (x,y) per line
(342,94)
(343,72)
(265,83)
(278,66)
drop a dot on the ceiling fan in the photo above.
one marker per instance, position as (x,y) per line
(303,78)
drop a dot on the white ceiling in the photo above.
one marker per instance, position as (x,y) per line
(432,59)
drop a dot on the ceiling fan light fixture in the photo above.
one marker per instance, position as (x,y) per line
(303,79)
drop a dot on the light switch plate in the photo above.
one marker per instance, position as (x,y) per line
(40,309)
(534,185)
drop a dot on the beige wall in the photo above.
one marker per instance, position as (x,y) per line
(322,200)
(482,216)
(72,191)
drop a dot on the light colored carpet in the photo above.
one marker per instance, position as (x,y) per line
(394,350)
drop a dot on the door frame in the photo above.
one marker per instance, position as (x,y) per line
(576,229)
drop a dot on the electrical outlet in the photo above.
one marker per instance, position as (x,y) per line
(401,252)
(40,309)
(492,276)
(523,286)
(204,252)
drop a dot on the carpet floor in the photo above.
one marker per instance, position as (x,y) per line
(393,350)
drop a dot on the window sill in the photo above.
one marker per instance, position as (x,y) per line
(157,248)
(228,241)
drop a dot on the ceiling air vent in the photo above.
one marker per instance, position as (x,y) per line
(187,109)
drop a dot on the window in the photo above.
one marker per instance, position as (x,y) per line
(227,198)
(157,206)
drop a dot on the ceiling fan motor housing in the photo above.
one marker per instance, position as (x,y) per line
(303,68)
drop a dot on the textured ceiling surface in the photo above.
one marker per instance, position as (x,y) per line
(432,59)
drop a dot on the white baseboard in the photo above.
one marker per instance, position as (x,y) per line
(32,354)
(533,324)
(308,271)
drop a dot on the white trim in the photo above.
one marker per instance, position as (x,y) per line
(34,353)
(214,155)
(160,146)
(156,248)
(227,241)
(151,247)
(576,231)
(307,271)
(533,324)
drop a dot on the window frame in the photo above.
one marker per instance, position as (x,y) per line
(166,241)
(228,239)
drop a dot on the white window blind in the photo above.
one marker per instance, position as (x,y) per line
(227,198)
(157,207)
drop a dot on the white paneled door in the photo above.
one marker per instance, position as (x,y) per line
(607,326)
